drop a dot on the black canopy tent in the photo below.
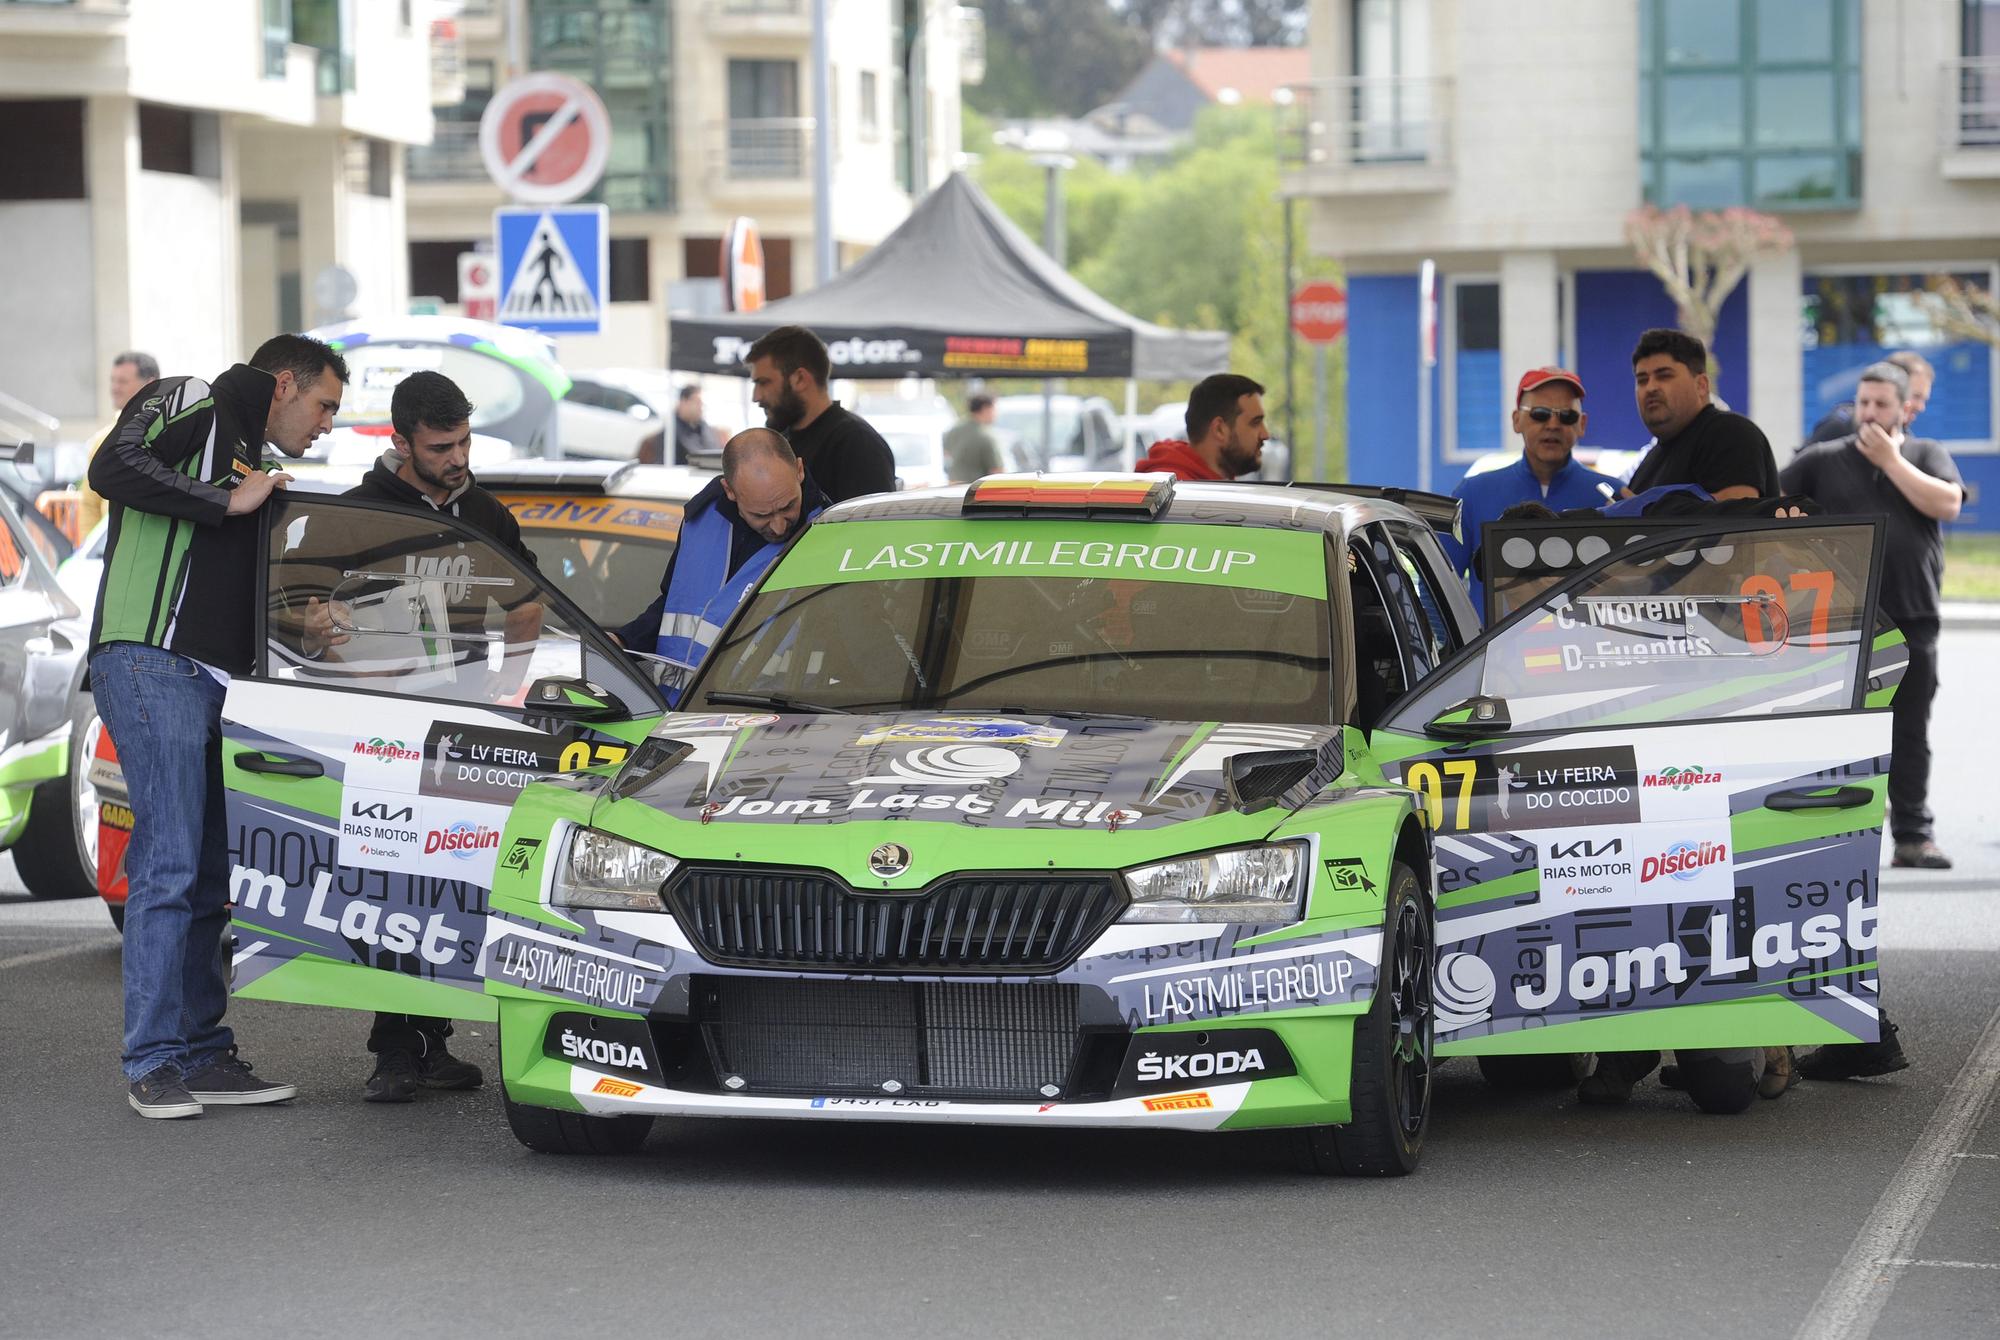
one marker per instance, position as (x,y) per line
(958,291)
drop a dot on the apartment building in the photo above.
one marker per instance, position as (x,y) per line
(711,105)
(175,175)
(1508,142)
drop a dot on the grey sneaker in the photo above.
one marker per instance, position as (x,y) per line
(1923,855)
(160,1093)
(227,1079)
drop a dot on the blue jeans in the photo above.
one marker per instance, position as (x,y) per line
(164,713)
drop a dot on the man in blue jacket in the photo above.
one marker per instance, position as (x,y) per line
(1548,415)
(731,532)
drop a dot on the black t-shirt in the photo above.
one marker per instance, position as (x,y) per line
(1718,450)
(844,456)
(1846,483)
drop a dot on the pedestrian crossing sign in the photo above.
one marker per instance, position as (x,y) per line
(553,264)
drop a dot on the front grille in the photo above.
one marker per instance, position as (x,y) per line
(927,1039)
(743,917)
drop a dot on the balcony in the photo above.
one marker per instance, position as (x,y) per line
(1970,142)
(1355,136)
(451,156)
(64,18)
(758,18)
(767,159)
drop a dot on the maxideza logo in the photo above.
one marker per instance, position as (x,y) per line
(1682,779)
(461,840)
(1682,861)
(385,749)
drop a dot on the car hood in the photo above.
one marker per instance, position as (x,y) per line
(1004,772)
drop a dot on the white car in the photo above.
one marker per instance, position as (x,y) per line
(620,414)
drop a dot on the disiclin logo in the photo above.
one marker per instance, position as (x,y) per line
(1682,860)
(1682,779)
(380,748)
(461,839)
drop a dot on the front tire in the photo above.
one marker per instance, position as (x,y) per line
(547,1131)
(57,853)
(1393,1048)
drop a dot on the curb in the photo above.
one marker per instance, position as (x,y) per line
(1974,616)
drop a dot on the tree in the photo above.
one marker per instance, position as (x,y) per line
(1700,258)
(1219,23)
(1964,310)
(1056,57)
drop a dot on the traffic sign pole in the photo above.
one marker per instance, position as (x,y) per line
(1319,316)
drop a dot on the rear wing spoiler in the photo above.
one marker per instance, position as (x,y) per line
(1439,511)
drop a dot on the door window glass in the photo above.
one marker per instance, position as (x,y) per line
(1765,620)
(393,602)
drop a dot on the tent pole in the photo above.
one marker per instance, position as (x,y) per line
(1128,450)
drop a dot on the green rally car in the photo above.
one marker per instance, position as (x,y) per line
(1072,801)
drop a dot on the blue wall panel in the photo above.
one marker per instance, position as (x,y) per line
(1612,308)
(1381,380)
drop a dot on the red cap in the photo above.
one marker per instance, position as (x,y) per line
(1534,377)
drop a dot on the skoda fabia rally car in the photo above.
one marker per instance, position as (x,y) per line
(1102,801)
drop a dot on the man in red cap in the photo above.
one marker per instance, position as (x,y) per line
(1548,414)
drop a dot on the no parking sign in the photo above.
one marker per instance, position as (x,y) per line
(545,139)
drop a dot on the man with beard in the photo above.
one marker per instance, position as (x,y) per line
(428,467)
(1226,432)
(1694,442)
(845,457)
(1548,415)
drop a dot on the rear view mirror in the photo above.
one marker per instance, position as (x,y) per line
(1473,719)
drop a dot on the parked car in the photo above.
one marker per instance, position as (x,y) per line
(1084,434)
(620,414)
(1098,803)
(510,375)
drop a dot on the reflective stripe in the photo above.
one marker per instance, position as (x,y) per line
(703,593)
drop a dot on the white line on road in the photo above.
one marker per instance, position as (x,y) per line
(1950,1265)
(1853,1299)
(44,955)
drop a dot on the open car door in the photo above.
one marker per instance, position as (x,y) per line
(414,678)
(1656,793)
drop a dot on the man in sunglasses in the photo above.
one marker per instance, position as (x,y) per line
(1548,415)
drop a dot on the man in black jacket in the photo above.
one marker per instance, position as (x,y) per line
(1695,443)
(845,457)
(176,616)
(428,467)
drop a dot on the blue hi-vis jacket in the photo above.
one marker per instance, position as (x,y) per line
(703,593)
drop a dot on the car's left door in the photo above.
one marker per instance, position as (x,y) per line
(414,677)
(1656,795)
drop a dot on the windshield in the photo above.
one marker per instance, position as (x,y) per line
(496,388)
(1212,624)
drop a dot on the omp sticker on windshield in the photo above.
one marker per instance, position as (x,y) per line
(1235,556)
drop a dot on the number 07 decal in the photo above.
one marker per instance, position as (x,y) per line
(1434,786)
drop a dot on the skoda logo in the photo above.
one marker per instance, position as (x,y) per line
(889,860)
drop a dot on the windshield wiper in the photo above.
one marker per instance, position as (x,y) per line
(776,701)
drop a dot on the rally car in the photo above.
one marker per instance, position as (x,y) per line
(1071,801)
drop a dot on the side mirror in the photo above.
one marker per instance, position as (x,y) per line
(562,696)
(1473,719)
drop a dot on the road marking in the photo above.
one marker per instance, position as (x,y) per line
(1852,1301)
(44,955)
(1949,1265)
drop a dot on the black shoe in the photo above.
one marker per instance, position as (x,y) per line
(439,1069)
(160,1093)
(395,1078)
(1781,1072)
(227,1080)
(1857,1060)
(1611,1083)
(1922,855)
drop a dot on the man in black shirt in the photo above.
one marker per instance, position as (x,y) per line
(1695,443)
(1839,421)
(845,457)
(1914,484)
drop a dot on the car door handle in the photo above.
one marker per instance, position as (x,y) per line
(285,765)
(1840,798)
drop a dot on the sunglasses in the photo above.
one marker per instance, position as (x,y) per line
(1566,417)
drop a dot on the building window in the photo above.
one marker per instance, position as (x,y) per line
(370,166)
(41,150)
(1751,102)
(631,269)
(766,137)
(1474,411)
(434,267)
(701,258)
(277,36)
(624,50)
(871,109)
(173,139)
(1393,119)
(1854,316)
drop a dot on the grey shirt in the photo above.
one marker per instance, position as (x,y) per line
(969,452)
(1846,484)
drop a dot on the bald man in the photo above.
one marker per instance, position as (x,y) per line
(731,532)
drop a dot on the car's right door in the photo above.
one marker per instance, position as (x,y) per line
(1656,794)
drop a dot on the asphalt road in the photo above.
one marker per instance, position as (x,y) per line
(1840,1210)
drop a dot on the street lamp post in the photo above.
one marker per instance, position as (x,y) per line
(1047,150)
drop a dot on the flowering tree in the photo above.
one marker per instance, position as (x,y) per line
(1963,310)
(1700,258)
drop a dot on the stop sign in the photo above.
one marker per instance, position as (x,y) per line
(1319,312)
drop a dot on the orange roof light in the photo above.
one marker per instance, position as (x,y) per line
(1019,495)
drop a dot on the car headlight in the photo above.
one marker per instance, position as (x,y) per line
(1264,883)
(599,870)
